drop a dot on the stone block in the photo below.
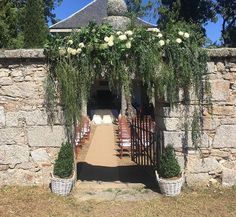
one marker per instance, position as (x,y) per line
(4,167)
(12,136)
(2,116)
(206,140)
(28,166)
(32,118)
(205,165)
(46,136)
(20,90)
(211,67)
(40,156)
(220,67)
(223,110)
(210,123)
(176,112)
(219,154)
(228,121)
(200,179)
(177,139)
(20,177)
(172,124)
(220,90)
(5,81)
(13,154)
(4,73)
(16,73)
(225,137)
(228,177)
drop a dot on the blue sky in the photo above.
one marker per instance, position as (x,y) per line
(69,7)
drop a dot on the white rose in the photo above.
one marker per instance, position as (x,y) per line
(129,33)
(110,43)
(123,37)
(181,33)
(106,39)
(79,50)
(159,35)
(119,33)
(81,45)
(62,51)
(70,42)
(178,40)
(186,35)
(111,38)
(71,51)
(161,43)
(128,44)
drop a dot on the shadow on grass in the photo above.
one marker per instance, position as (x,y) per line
(125,174)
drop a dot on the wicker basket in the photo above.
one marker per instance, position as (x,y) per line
(61,186)
(170,187)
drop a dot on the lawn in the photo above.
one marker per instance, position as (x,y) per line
(34,201)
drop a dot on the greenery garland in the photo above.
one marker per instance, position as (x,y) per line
(168,62)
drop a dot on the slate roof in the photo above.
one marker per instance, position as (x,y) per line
(93,12)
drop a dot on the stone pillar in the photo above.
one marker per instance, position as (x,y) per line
(84,106)
(123,102)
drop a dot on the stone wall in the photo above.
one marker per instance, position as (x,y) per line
(28,144)
(215,161)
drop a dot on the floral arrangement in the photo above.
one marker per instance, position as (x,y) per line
(166,61)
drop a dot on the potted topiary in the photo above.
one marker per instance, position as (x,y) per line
(171,178)
(63,176)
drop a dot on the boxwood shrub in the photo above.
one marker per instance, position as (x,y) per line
(169,166)
(64,163)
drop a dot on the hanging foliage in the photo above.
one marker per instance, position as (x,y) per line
(169,62)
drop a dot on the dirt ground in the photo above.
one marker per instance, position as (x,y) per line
(34,201)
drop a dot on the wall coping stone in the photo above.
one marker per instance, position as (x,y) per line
(222,52)
(39,53)
(22,54)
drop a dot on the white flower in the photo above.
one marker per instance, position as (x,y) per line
(128,44)
(110,43)
(167,41)
(131,39)
(123,37)
(71,51)
(106,39)
(161,43)
(186,35)
(79,50)
(159,35)
(62,51)
(111,38)
(81,45)
(129,33)
(178,40)
(153,30)
(70,42)
(181,33)
(119,33)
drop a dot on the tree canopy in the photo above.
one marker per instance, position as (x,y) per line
(13,19)
(227,9)
(35,28)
